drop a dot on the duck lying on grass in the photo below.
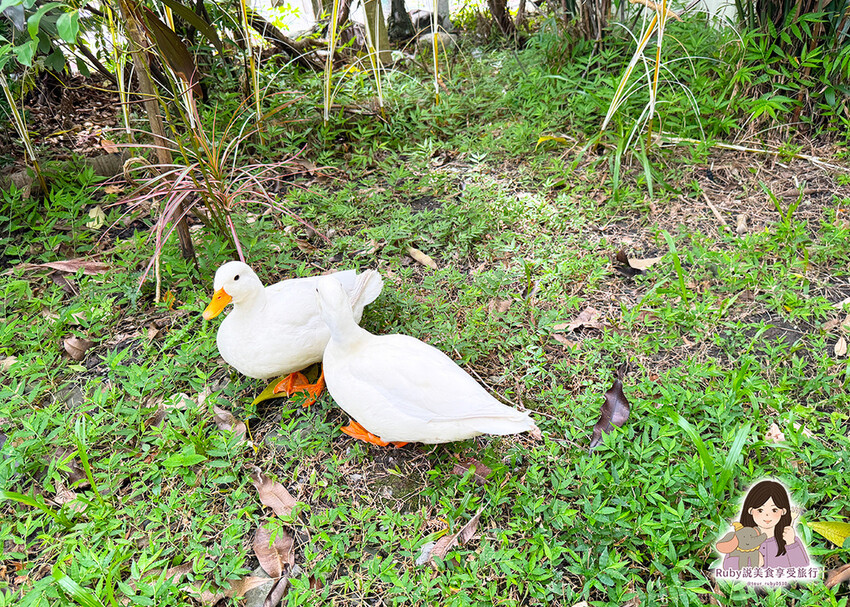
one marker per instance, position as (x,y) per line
(276,330)
(399,389)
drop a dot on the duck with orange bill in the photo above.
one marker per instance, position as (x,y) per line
(276,331)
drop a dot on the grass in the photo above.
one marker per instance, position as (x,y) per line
(724,337)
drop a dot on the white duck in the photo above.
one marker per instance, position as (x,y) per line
(399,389)
(277,330)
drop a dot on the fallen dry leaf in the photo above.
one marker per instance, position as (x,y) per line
(499,305)
(98,218)
(225,420)
(845,324)
(422,258)
(840,346)
(89,268)
(175,573)
(272,494)
(831,324)
(109,146)
(838,575)
(589,319)
(67,496)
(480,471)
(774,434)
(77,347)
(237,588)
(274,556)
(447,542)
(633,267)
(157,418)
(741,223)
(304,246)
(840,305)
(7,363)
(113,189)
(561,338)
(614,412)
(277,591)
(63,283)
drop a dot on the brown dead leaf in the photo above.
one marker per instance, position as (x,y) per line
(633,267)
(838,575)
(63,283)
(447,542)
(225,420)
(77,347)
(89,268)
(589,319)
(272,494)
(67,496)
(480,471)
(845,324)
(840,346)
(109,146)
(274,556)
(6,363)
(831,324)
(237,588)
(177,572)
(275,595)
(157,418)
(614,412)
(644,264)
(113,189)
(741,223)
(421,258)
(304,246)
(499,305)
(561,338)
(774,434)
(153,332)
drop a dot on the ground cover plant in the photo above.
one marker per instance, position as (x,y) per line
(714,283)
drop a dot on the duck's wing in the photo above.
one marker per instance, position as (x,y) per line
(422,382)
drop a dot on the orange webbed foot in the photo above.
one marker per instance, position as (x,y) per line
(355,430)
(297,382)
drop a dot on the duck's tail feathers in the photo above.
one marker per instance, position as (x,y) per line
(367,287)
(509,426)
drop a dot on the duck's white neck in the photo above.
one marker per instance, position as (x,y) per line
(252,303)
(343,327)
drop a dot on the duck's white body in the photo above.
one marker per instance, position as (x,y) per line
(277,330)
(403,390)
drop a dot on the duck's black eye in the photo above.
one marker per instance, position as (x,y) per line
(236,277)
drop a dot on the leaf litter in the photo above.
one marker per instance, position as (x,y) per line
(272,494)
(274,550)
(447,542)
(614,411)
(480,472)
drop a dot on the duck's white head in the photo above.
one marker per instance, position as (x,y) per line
(234,281)
(334,302)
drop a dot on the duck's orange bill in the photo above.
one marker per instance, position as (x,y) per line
(219,300)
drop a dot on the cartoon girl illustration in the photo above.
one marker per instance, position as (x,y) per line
(766,510)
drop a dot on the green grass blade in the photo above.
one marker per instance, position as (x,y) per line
(705,458)
(79,594)
(731,463)
(29,500)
